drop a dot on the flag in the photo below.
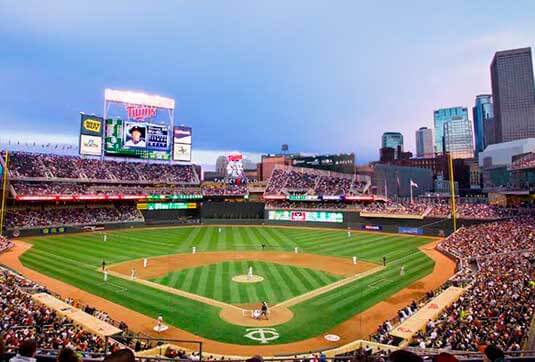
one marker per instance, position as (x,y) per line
(414,184)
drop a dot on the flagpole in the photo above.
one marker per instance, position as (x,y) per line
(452,192)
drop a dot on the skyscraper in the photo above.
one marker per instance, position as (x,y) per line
(424,142)
(483,114)
(458,141)
(513,93)
(393,140)
(441,117)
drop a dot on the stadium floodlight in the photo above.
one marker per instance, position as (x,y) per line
(113,95)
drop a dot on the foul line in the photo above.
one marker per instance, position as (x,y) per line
(314,293)
(288,303)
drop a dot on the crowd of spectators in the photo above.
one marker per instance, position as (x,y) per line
(23,319)
(496,237)
(224,189)
(64,216)
(499,304)
(497,309)
(315,182)
(396,208)
(73,167)
(23,188)
(5,244)
(441,209)
(527,161)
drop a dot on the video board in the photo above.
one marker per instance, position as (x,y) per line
(137,139)
(302,216)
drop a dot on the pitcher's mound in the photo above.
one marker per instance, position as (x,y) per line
(247,279)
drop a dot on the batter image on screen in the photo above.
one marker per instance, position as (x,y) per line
(136,136)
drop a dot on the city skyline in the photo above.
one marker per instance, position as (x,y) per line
(243,84)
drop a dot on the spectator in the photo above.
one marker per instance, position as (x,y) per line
(122,355)
(67,355)
(26,352)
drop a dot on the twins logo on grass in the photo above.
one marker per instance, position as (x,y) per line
(263,335)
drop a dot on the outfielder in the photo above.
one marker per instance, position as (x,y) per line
(105,275)
(402,270)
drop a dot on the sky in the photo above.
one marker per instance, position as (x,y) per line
(321,76)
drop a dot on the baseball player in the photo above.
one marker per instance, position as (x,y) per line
(105,275)
(145,262)
(133,274)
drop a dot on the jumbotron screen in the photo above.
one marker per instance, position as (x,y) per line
(137,139)
(301,216)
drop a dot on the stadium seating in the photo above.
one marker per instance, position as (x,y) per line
(33,165)
(498,305)
(22,218)
(223,189)
(290,180)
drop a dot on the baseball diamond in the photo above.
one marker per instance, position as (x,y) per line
(76,259)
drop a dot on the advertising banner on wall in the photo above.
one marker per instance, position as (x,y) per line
(372,227)
(410,230)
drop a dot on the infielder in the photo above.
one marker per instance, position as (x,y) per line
(296,250)
(133,274)
(145,262)
(194,250)
(354,260)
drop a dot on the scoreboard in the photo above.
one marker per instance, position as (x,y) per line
(137,139)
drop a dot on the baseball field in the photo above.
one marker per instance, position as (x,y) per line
(307,276)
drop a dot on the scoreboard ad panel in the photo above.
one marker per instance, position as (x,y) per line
(137,139)
(90,135)
(182,143)
(301,216)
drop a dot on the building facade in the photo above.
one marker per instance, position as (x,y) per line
(441,117)
(424,143)
(513,93)
(392,140)
(482,114)
(458,139)
(394,181)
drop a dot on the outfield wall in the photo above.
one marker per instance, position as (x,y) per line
(427,226)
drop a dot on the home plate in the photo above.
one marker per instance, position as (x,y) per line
(332,337)
(161,328)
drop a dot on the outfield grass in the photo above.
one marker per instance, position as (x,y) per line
(281,282)
(75,258)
